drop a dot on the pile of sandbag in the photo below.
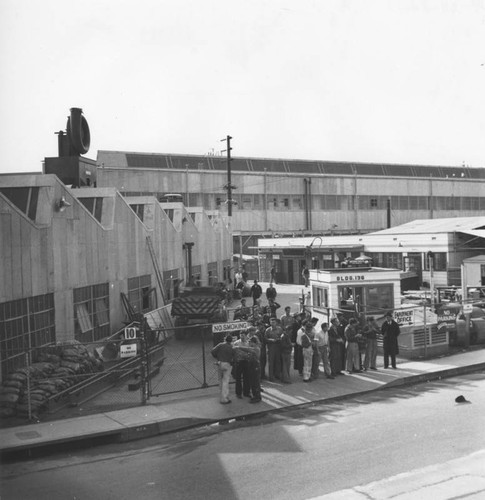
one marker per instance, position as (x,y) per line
(27,390)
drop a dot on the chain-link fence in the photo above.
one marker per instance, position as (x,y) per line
(188,363)
(71,379)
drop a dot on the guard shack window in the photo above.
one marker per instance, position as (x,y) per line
(320,297)
(367,299)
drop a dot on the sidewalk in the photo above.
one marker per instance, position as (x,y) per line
(201,407)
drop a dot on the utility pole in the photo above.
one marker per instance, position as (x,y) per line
(229,187)
(188,248)
(388,213)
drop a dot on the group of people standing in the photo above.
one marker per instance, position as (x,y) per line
(266,349)
(241,359)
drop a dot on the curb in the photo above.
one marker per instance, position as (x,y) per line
(187,423)
(152,429)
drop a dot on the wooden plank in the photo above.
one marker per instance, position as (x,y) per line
(6,254)
(16,260)
(58,242)
(26,239)
(47,274)
(38,285)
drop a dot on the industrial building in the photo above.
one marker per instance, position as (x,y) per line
(282,197)
(75,263)
(86,244)
(428,252)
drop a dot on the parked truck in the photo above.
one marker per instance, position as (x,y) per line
(197,305)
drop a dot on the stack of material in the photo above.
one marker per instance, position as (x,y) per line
(26,391)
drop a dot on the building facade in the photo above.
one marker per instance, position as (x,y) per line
(428,252)
(296,198)
(73,262)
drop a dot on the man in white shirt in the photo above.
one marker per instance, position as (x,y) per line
(321,339)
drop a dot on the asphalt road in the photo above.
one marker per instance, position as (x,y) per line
(295,455)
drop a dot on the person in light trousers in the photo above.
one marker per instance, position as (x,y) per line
(371,329)
(321,339)
(224,353)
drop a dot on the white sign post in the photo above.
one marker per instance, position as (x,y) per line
(128,351)
(229,327)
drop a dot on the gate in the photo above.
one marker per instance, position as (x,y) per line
(188,363)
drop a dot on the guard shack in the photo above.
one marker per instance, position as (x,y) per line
(361,291)
(374,291)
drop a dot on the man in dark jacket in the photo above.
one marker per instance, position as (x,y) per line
(271,292)
(254,368)
(271,308)
(390,332)
(256,292)
(273,341)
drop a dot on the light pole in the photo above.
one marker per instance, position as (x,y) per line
(430,256)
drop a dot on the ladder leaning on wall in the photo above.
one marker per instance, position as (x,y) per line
(158,273)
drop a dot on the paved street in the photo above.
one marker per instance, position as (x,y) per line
(413,442)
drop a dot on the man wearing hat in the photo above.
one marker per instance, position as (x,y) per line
(390,332)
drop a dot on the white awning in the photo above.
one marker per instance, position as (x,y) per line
(479,233)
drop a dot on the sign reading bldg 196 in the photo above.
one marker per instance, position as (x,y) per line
(351,277)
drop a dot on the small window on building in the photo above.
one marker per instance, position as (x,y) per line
(320,297)
(139,210)
(212,273)
(438,259)
(94,206)
(169,279)
(373,203)
(246,203)
(272,203)
(91,312)
(169,212)
(378,298)
(25,199)
(140,293)
(25,324)
(331,202)
(285,203)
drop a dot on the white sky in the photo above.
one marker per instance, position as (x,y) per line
(366,81)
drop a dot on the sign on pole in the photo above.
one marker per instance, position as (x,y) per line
(467,308)
(128,351)
(130,333)
(230,327)
(404,317)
